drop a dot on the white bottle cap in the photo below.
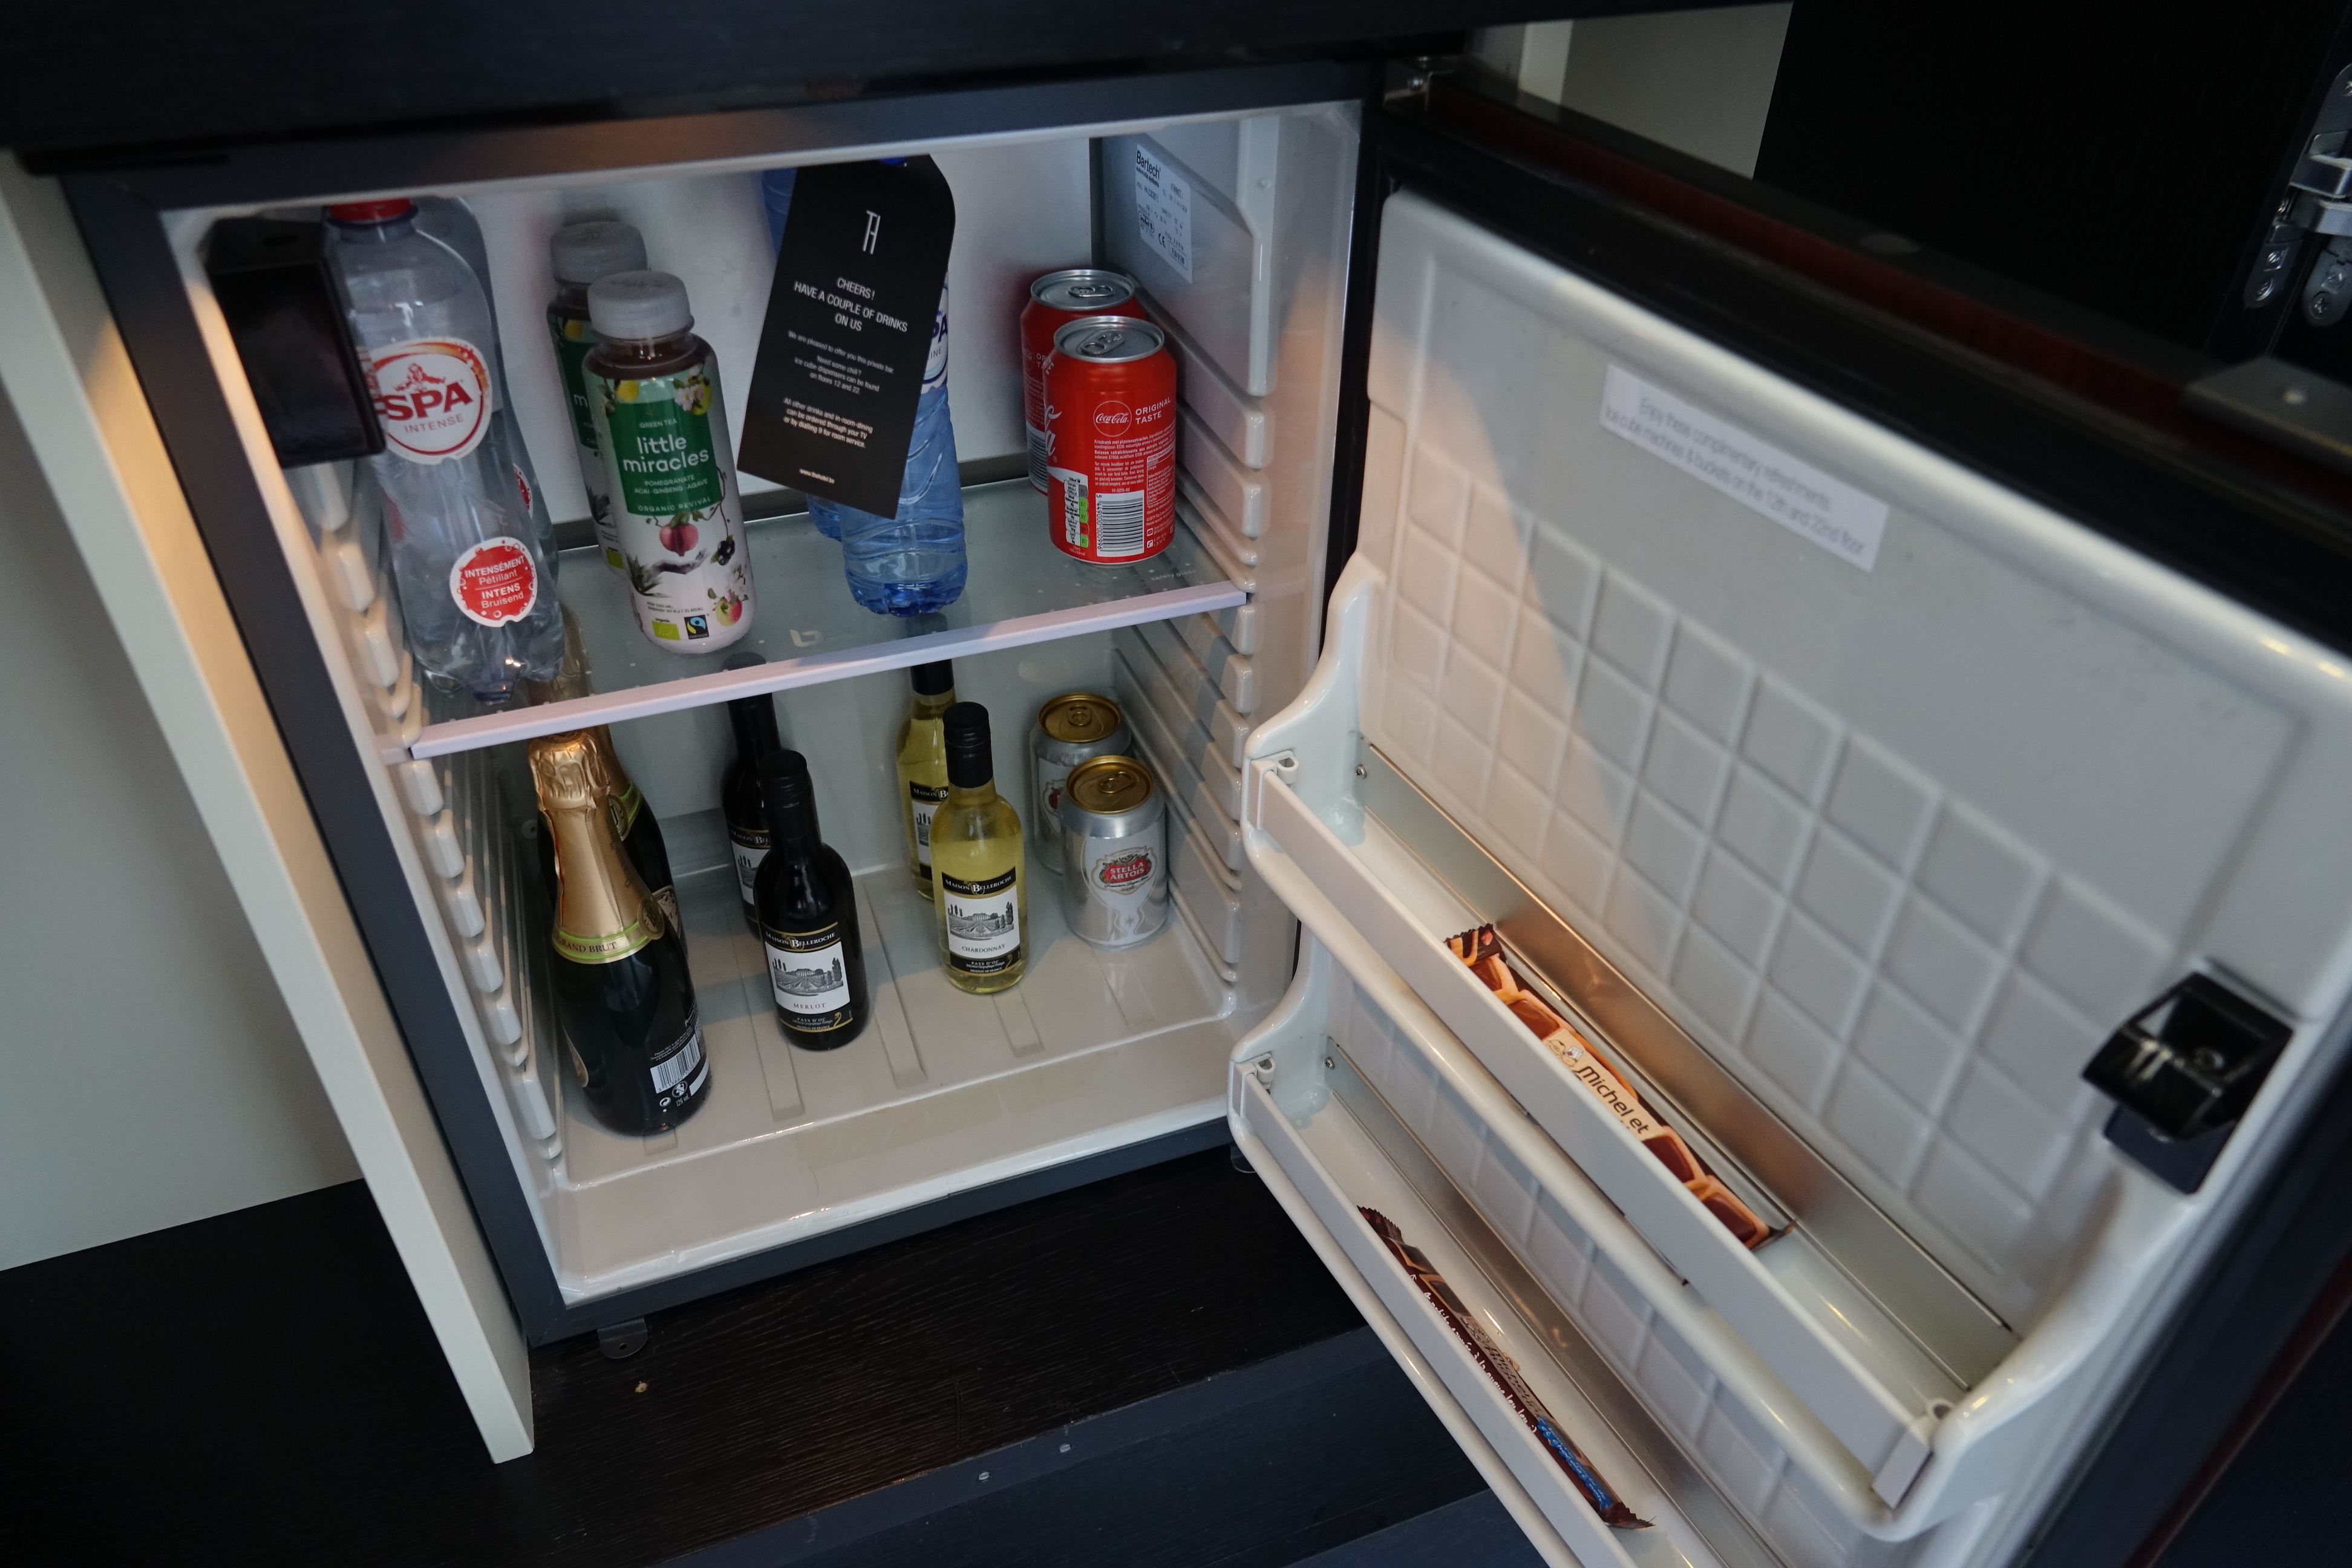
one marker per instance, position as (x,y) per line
(640,305)
(588,251)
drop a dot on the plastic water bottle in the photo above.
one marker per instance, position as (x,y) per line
(452,222)
(476,593)
(913,562)
(776,197)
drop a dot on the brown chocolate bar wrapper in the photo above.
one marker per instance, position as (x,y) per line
(1503,1372)
(1482,952)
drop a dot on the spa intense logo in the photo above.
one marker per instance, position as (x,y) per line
(431,396)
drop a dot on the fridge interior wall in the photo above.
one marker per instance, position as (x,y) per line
(1892,821)
(1093,1049)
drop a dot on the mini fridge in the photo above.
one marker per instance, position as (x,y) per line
(1849,737)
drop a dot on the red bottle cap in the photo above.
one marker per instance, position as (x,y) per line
(372,212)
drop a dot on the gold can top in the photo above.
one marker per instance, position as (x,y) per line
(1078,717)
(1109,785)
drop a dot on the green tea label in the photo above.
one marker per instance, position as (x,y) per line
(663,459)
(676,523)
(574,339)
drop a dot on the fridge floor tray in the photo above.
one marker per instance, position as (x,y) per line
(1093,1050)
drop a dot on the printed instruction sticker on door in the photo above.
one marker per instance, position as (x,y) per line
(1163,210)
(1801,499)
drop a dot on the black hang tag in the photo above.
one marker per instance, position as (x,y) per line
(848,330)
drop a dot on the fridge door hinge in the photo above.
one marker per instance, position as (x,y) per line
(2182,1071)
(1410,79)
(621,1341)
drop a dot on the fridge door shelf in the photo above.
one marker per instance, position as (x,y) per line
(1323,1164)
(808,629)
(1792,1323)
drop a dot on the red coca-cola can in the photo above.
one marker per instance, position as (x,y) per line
(1055,302)
(1110,416)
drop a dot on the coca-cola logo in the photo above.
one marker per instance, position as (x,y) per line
(1113,418)
(1124,870)
(431,396)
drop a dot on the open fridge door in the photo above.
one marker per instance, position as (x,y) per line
(1840,805)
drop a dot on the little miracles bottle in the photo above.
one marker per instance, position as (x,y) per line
(661,427)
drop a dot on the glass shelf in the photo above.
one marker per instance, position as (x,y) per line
(809,630)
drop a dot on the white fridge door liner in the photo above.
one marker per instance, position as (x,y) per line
(1897,827)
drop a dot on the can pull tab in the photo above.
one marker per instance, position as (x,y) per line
(2182,1071)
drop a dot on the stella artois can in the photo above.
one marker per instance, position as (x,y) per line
(1074,728)
(1114,852)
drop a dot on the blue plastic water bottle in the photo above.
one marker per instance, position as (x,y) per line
(913,562)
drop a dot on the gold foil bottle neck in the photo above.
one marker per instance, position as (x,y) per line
(569,772)
(602,910)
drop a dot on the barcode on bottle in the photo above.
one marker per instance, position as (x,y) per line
(1118,524)
(668,1073)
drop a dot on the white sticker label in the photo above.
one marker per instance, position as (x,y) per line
(926,801)
(811,983)
(748,856)
(672,1069)
(1164,211)
(984,920)
(1801,499)
(1073,506)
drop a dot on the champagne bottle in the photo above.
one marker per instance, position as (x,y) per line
(982,881)
(807,909)
(754,721)
(641,836)
(923,765)
(622,993)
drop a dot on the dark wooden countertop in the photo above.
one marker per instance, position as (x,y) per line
(1167,1372)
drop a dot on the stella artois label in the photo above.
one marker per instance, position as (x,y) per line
(1116,873)
(431,396)
(494,583)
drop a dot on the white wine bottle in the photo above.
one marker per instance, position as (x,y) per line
(923,765)
(982,881)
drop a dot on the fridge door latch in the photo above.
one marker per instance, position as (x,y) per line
(2182,1071)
